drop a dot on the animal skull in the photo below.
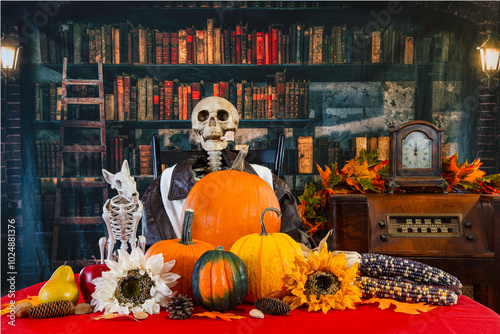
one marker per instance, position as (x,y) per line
(123,183)
(214,121)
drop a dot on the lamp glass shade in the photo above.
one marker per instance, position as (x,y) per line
(489,59)
(9,57)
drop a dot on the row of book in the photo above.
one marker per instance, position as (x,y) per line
(147,99)
(125,43)
(139,157)
(46,158)
(48,96)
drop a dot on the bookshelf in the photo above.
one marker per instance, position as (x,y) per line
(341,94)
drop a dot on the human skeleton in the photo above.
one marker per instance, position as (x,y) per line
(214,121)
(121,213)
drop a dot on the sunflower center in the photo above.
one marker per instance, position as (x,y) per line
(321,283)
(134,288)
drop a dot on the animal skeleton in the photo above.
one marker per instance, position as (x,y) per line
(121,213)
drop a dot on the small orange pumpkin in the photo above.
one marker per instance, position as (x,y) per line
(184,251)
(228,204)
(266,257)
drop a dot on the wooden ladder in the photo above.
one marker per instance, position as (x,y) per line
(78,182)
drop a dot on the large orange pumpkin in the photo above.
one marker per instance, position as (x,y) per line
(228,204)
(266,258)
(185,251)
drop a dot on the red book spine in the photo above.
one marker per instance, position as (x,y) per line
(195,93)
(185,102)
(119,88)
(275,36)
(267,51)
(181,101)
(238,44)
(189,45)
(224,89)
(260,52)
(269,102)
(216,90)
(233,47)
(158,47)
(169,99)
(162,102)
(174,48)
(249,49)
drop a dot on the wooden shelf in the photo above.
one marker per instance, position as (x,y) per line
(182,124)
(256,74)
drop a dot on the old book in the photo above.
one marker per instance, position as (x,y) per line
(133,103)
(224,89)
(84,43)
(149,46)
(210,41)
(44,46)
(376,51)
(337,44)
(162,101)
(196,93)
(287,100)
(92,46)
(149,99)
(305,154)
(38,102)
(174,48)
(402,48)
(166,47)
(158,47)
(98,44)
(126,97)
(367,48)
(156,101)
(233,46)
(298,46)
(267,49)
(186,91)
(143,49)
(238,43)
(176,100)
(227,46)
(239,99)
(77,43)
(244,45)
(317,44)
(387,45)
(383,146)
(116,45)
(205,47)
(169,99)
(108,43)
(190,46)
(358,144)
(260,52)
(135,45)
(141,99)
(426,49)
(349,42)
(247,102)
(200,47)
(280,90)
(180,94)
(306,99)
(217,46)
(409,50)
(182,46)
(120,97)
(274,46)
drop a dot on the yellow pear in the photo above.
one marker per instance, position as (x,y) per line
(61,286)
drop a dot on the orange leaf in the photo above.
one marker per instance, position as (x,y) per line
(216,314)
(32,299)
(325,175)
(112,316)
(401,307)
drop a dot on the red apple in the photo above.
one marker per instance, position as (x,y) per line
(87,274)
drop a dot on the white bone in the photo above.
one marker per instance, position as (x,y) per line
(123,212)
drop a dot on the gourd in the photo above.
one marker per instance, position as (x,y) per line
(185,251)
(219,280)
(266,257)
(228,204)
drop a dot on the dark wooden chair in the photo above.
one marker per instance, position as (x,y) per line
(268,156)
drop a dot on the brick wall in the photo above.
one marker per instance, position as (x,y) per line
(487,130)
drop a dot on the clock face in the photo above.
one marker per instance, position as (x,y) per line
(416,151)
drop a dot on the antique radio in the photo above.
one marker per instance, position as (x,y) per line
(458,233)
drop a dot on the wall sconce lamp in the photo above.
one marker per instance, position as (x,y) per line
(490,56)
(9,55)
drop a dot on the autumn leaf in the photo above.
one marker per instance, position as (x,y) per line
(112,316)
(223,316)
(401,307)
(32,299)
(325,175)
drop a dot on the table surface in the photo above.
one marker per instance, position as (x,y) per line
(467,316)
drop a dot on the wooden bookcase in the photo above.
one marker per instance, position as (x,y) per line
(412,19)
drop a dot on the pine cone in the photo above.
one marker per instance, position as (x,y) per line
(58,308)
(181,307)
(272,306)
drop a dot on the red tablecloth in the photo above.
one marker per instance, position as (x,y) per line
(467,316)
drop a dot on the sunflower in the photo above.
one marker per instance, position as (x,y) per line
(322,281)
(133,284)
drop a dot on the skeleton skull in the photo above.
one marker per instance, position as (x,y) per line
(214,121)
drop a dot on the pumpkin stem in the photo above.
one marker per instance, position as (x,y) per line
(239,162)
(187,228)
(219,248)
(262,225)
